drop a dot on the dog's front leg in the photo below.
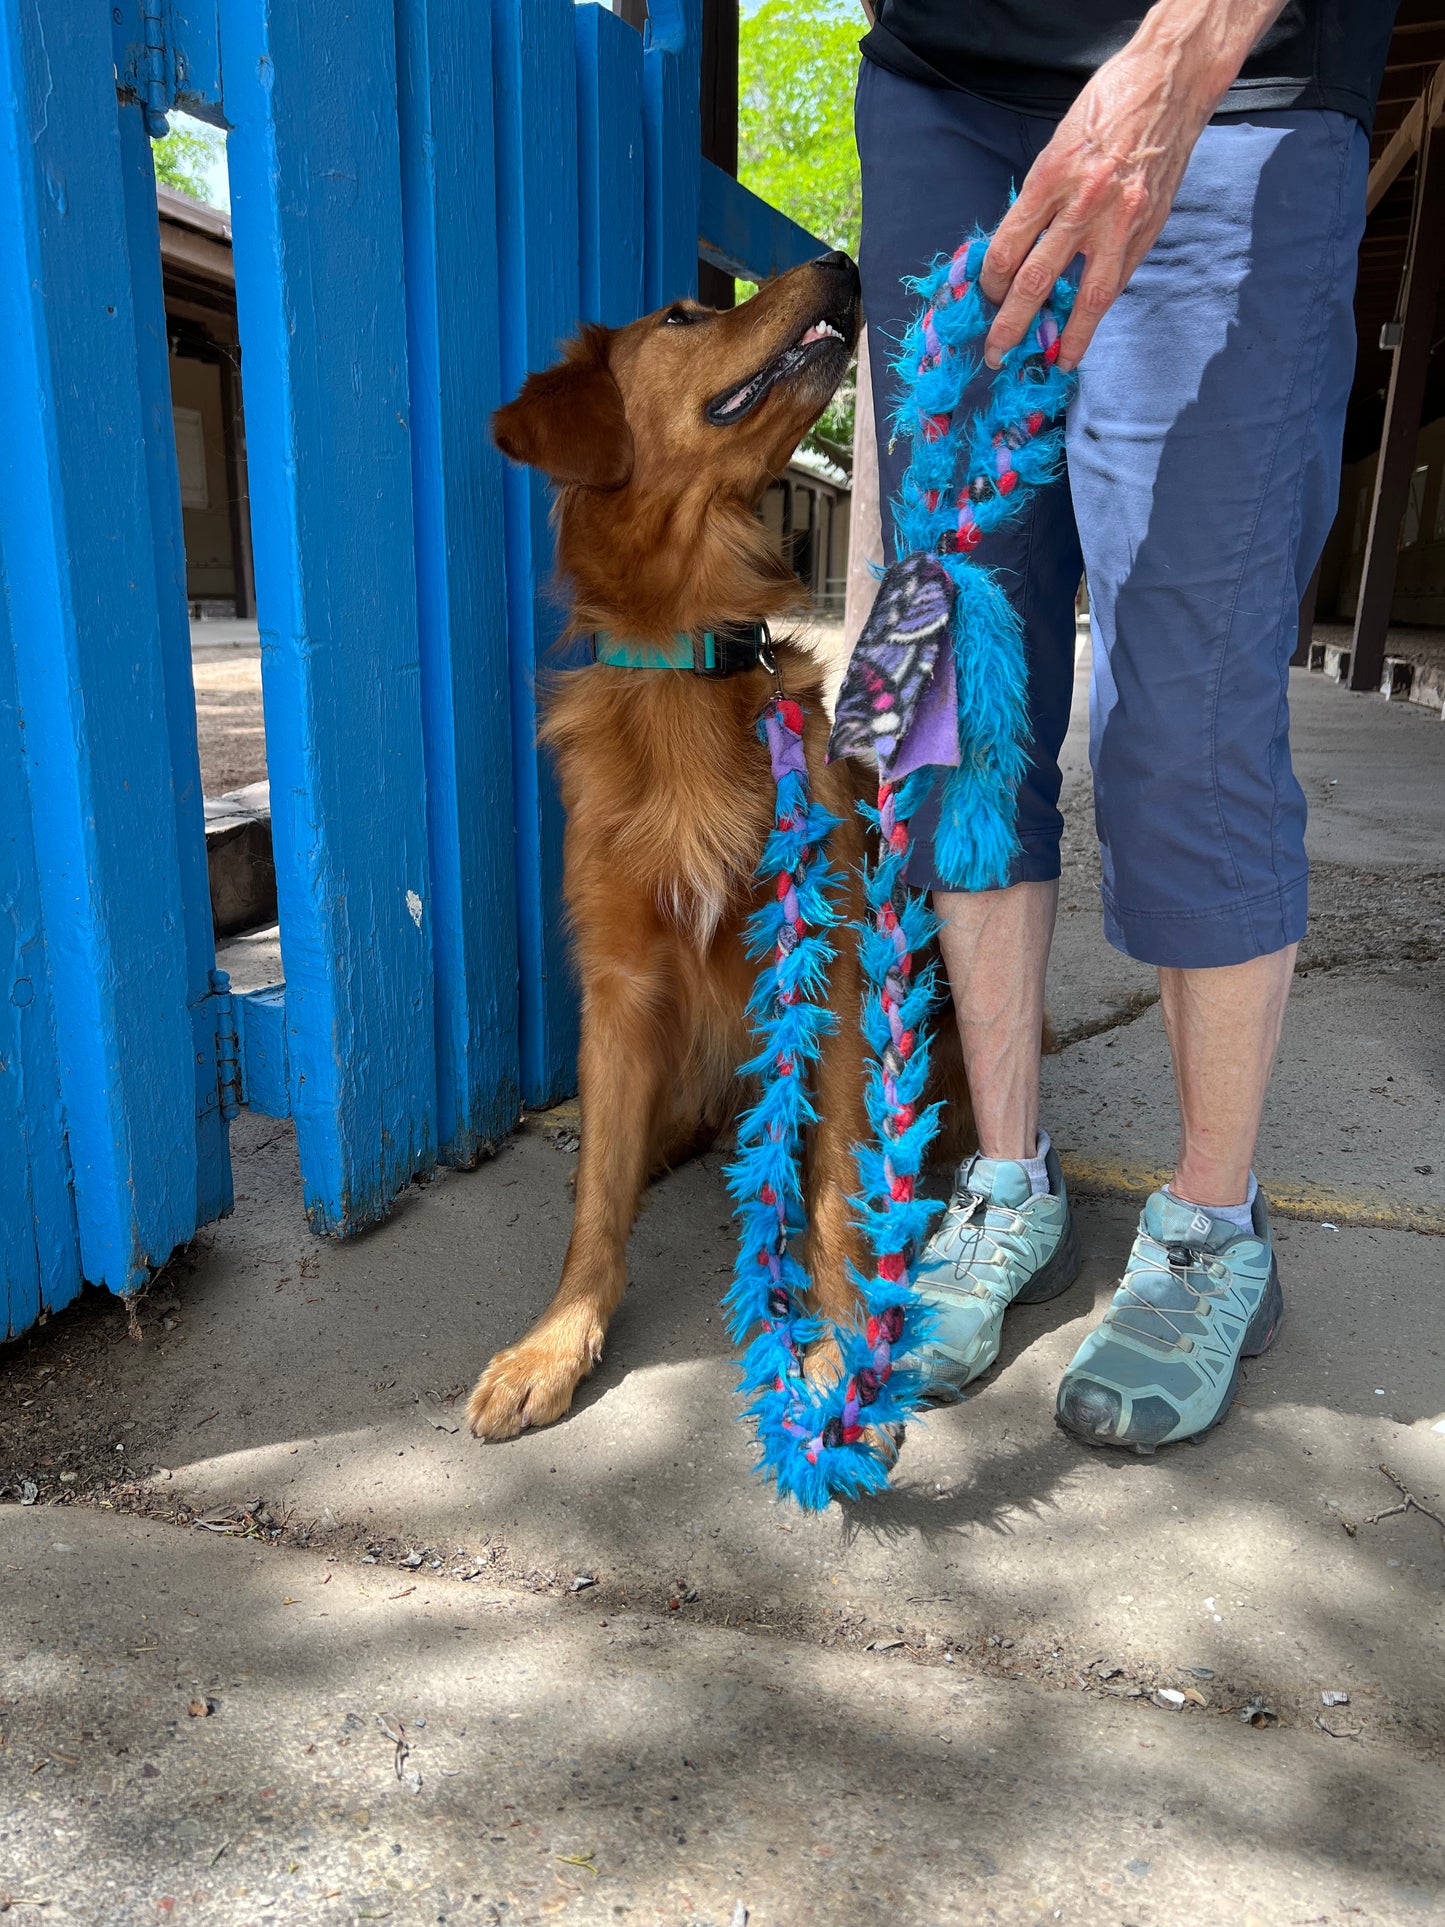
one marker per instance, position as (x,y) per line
(832,1174)
(629,1036)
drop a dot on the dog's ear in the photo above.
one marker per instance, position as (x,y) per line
(569,421)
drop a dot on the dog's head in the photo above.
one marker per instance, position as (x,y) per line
(727,391)
(664,433)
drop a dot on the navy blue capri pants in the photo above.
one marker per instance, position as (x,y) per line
(1202,478)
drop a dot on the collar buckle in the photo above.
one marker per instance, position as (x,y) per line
(726,651)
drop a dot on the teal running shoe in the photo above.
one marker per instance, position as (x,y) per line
(998,1245)
(1198,1295)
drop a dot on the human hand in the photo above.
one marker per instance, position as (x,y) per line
(1104,185)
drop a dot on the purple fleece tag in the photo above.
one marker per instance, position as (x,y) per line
(933,738)
(898,703)
(785,747)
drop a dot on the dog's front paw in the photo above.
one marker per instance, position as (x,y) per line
(525,1385)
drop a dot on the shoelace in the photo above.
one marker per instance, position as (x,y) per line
(991,1244)
(1174,1261)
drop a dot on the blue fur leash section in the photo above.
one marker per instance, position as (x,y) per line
(967,475)
(813,1436)
(822,1440)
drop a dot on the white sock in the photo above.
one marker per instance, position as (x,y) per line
(1037,1173)
(1241,1215)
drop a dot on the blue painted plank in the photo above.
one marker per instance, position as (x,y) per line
(261,1049)
(193,30)
(535,91)
(39,1245)
(609,165)
(444,58)
(672,125)
(76,535)
(212,1153)
(745,236)
(317,228)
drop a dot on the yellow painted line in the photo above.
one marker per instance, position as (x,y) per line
(1097,1177)
(1091,1177)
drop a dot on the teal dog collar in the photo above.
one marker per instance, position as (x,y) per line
(725,651)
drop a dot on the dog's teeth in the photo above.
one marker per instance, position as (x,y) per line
(820,331)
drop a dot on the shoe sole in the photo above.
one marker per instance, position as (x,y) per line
(1051,1280)
(1259,1335)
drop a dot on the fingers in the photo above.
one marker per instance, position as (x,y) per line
(1030,288)
(1015,235)
(1098,291)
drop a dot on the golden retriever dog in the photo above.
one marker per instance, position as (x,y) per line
(660,439)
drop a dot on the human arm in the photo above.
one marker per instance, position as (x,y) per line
(1105,183)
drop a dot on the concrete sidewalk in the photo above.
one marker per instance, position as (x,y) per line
(951,1704)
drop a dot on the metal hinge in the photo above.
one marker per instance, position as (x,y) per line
(167,56)
(154,79)
(228,1045)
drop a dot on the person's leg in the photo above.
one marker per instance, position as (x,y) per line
(1224,1028)
(935,164)
(1204,453)
(996,950)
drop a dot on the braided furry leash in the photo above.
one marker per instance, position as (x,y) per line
(942,627)
(812,1437)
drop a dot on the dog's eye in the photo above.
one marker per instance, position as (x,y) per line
(678,317)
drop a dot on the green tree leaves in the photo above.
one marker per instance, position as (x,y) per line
(797,67)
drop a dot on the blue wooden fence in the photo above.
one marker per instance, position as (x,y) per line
(427,196)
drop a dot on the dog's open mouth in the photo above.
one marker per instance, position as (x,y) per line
(821,341)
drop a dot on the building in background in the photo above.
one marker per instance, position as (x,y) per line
(807,509)
(1383,569)
(200,295)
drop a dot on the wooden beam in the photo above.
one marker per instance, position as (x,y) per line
(1427,112)
(719,102)
(743,235)
(1403,402)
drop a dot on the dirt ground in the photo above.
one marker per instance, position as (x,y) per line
(226,669)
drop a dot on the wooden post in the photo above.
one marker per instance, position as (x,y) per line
(238,497)
(609,141)
(538,214)
(1423,261)
(315,169)
(671,82)
(99,1084)
(449,222)
(1301,657)
(719,123)
(865,526)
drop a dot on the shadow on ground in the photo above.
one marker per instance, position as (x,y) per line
(599,1764)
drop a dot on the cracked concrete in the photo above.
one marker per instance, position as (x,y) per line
(935,1707)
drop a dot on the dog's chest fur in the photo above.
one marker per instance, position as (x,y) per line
(666,784)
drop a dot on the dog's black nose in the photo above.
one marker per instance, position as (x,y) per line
(834,258)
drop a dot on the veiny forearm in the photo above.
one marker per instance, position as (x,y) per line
(1204,43)
(1103,186)
(1155,96)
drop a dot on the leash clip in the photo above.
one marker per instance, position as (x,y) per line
(768,660)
